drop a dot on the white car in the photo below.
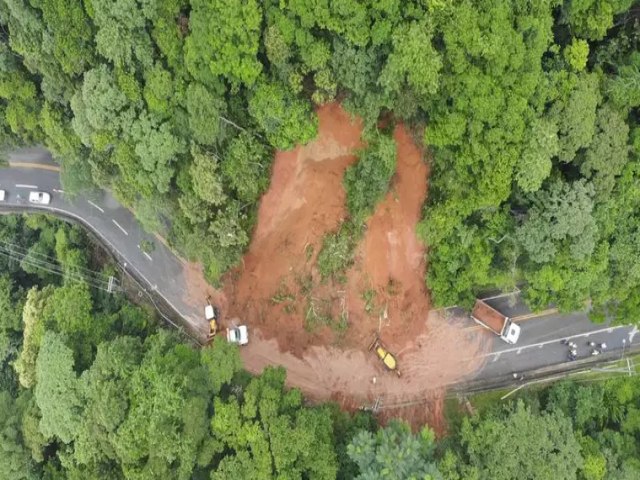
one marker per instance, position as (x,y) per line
(239,335)
(41,198)
(2,195)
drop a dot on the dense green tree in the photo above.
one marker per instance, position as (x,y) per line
(207,181)
(358,70)
(121,35)
(70,310)
(245,166)
(522,445)
(226,37)
(576,116)
(99,106)
(561,212)
(394,453)
(285,119)
(204,109)
(168,388)
(72,34)
(576,54)
(157,149)
(10,306)
(21,104)
(15,459)
(268,433)
(591,19)
(624,87)
(368,180)
(413,60)
(159,91)
(535,163)
(33,334)
(57,389)
(608,153)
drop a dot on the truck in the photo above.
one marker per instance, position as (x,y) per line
(494,321)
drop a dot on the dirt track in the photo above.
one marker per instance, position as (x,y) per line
(278,285)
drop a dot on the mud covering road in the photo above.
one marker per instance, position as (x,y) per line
(277,286)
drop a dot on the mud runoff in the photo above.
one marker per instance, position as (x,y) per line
(277,290)
(443,354)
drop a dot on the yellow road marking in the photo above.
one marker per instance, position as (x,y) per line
(39,166)
(528,316)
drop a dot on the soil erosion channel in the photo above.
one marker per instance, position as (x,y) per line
(320,330)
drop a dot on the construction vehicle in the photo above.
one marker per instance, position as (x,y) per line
(494,321)
(387,358)
(211,315)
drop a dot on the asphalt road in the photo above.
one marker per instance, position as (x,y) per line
(540,344)
(160,270)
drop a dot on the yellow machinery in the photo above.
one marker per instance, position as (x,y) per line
(387,358)
(211,315)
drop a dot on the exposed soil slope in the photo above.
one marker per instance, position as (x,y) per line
(277,289)
(305,201)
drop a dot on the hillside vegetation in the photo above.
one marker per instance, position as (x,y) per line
(91,388)
(531,112)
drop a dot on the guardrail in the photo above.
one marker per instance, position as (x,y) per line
(164,308)
(548,373)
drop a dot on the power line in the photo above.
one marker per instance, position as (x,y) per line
(55,269)
(51,260)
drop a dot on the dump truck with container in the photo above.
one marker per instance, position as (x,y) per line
(494,321)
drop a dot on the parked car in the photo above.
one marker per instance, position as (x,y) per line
(238,335)
(3,194)
(41,198)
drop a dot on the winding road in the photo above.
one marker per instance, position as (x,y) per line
(162,272)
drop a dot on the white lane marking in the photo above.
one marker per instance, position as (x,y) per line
(95,206)
(58,191)
(147,255)
(22,185)
(555,340)
(119,226)
(190,318)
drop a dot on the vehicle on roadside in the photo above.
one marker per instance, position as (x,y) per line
(3,194)
(211,315)
(40,198)
(494,321)
(238,335)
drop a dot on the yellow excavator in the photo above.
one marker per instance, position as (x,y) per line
(387,358)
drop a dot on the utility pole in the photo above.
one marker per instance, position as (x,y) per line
(111,285)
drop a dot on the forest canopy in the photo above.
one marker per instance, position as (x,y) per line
(529,109)
(92,387)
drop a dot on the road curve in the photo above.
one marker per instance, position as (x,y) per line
(161,271)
